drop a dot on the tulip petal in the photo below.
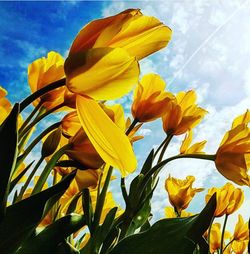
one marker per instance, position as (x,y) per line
(101,73)
(109,141)
(142,36)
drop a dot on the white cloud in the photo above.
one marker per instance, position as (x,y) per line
(209,52)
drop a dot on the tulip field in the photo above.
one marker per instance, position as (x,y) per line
(62,202)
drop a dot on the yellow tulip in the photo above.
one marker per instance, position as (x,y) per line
(44,71)
(233,156)
(215,237)
(193,149)
(239,247)
(83,151)
(170,213)
(70,124)
(150,99)
(241,231)
(139,35)
(87,178)
(102,65)
(182,114)
(181,192)
(229,199)
(5,105)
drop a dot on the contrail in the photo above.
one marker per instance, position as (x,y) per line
(205,42)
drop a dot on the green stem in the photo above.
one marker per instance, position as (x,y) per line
(40,92)
(101,199)
(22,157)
(131,127)
(35,110)
(27,182)
(158,166)
(39,118)
(123,186)
(50,165)
(228,244)
(160,146)
(165,145)
(222,234)
(208,234)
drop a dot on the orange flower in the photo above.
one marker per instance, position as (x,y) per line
(233,156)
(44,71)
(229,199)
(139,35)
(182,114)
(181,192)
(150,99)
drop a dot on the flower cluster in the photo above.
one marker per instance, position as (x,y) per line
(70,194)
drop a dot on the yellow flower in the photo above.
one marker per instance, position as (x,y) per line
(215,237)
(182,114)
(83,151)
(239,247)
(233,156)
(170,213)
(241,231)
(44,71)
(195,148)
(229,199)
(180,192)
(70,124)
(5,105)
(150,99)
(139,35)
(87,178)
(102,65)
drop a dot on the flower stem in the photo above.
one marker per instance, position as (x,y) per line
(41,92)
(27,182)
(36,141)
(158,166)
(122,184)
(131,127)
(31,115)
(165,145)
(39,118)
(222,234)
(101,200)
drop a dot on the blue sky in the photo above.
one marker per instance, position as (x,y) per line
(209,52)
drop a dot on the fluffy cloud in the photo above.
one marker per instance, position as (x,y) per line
(209,52)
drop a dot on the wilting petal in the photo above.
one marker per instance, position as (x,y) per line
(101,73)
(109,141)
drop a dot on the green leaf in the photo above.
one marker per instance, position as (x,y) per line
(23,217)
(8,155)
(87,207)
(99,236)
(148,162)
(168,236)
(15,181)
(50,165)
(53,235)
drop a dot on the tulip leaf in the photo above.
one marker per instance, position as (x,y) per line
(178,235)
(23,217)
(148,162)
(53,236)
(8,155)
